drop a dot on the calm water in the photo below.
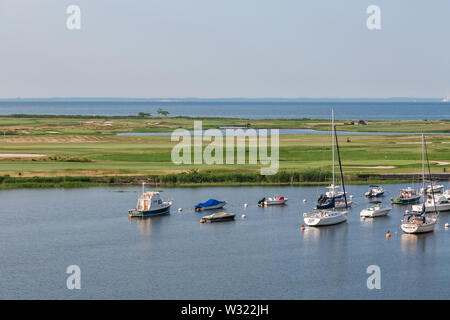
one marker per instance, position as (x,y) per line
(252,109)
(265,256)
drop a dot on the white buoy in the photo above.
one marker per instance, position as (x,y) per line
(245,205)
(304,200)
(179,209)
(243,216)
(446,225)
(407,211)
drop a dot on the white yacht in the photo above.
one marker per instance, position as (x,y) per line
(375,211)
(436,202)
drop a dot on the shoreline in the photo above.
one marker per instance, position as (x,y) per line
(7,183)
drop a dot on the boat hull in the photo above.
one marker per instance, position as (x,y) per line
(405,200)
(375,213)
(275,202)
(417,228)
(148,213)
(217,206)
(326,220)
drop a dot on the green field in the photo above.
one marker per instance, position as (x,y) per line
(88,147)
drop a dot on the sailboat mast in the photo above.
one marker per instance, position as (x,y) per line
(333,134)
(340,168)
(423,164)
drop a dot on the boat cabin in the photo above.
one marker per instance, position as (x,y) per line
(148,200)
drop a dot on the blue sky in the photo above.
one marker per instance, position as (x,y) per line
(223,49)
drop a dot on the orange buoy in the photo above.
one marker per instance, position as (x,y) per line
(302,228)
(202,221)
(388,235)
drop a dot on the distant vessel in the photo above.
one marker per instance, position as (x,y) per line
(446,99)
(150,204)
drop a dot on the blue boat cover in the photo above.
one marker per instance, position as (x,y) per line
(209,203)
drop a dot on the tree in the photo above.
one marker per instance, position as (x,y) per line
(163,112)
(144,114)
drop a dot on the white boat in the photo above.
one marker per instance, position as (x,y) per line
(420,221)
(436,188)
(446,194)
(438,202)
(273,201)
(376,211)
(374,191)
(330,216)
(325,218)
(150,204)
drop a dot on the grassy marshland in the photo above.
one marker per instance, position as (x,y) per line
(80,151)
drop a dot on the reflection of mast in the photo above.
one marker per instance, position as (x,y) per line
(143,184)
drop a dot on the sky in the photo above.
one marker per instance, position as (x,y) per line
(224,49)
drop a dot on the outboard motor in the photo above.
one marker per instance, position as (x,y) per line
(261,202)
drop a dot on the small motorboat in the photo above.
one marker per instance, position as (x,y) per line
(272,201)
(211,204)
(376,211)
(218,217)
(150,204)
(406,196)
(374,191)
(432,189)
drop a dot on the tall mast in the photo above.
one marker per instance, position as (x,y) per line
(423,164)
(333,134)
(340,168)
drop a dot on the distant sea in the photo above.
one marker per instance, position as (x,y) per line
(370,109)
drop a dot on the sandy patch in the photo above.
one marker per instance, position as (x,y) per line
(441,163)
(21,155)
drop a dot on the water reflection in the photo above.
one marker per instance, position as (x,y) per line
(416,243)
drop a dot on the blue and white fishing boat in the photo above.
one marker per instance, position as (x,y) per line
(211,204)
(150,204)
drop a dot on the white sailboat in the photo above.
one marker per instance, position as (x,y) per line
(326,217)
(421,222)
